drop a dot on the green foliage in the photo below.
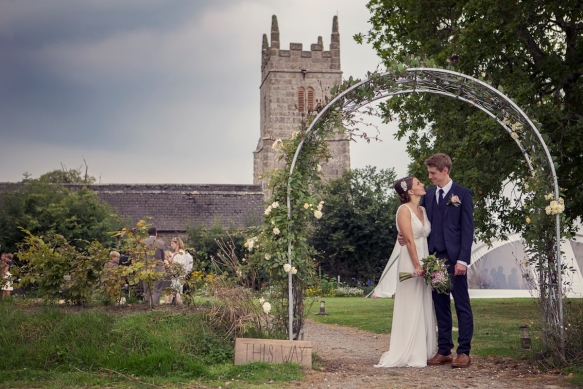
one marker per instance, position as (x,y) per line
(43,208)
(356,234)
(58,269)
(203,240)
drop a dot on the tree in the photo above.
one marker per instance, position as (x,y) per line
(43,207)
(530,50)
(357,232)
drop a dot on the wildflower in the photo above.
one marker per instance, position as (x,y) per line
(276,231)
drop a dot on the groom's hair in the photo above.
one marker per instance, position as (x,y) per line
(439,161)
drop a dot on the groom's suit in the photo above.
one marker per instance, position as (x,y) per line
(452,234)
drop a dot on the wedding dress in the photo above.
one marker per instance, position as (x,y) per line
(413,338)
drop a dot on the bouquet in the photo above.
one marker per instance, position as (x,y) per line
(434,273)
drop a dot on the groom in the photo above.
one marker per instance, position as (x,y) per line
(450,211)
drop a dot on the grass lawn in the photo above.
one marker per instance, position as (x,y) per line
(496,321)
(68,347)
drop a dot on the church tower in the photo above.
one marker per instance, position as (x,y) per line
(293,82)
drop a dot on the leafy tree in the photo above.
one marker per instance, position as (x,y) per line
(357,232)
(43,207)
(531,50)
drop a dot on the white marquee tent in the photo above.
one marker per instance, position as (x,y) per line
(494,271)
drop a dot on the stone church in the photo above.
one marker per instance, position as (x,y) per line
(292,83)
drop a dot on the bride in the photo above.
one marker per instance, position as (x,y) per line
(413,339)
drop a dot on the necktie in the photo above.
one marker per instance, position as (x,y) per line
(440,191)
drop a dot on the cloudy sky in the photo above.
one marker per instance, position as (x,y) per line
(155,91)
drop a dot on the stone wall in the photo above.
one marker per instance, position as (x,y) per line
(174,207)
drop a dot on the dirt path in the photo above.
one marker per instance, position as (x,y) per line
(348,355)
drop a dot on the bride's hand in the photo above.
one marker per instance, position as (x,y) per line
(418,271)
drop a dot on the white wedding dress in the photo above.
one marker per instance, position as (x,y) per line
(413,338)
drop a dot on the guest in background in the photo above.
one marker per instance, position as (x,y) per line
(113,259)
(184,259)
(157,247)
(5,263)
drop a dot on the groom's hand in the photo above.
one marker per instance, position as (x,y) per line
(401,239)
(459,270)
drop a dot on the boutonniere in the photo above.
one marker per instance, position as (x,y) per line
(454,200)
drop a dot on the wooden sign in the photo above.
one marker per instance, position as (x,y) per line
(249,350)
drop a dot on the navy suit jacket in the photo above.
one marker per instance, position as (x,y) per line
(458,228)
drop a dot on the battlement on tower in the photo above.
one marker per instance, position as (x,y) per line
(296,58)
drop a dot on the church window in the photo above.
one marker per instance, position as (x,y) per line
(310,99)
(301,99)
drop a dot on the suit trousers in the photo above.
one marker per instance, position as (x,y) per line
(157,292)
(463,309)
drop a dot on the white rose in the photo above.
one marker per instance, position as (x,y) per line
(287,267)
(267,256)
(261,300)
(293,270)
(548,210)
(266,307)
(277,145)
(268,210)
(317,214)
(306,205)
(275,205)
(276,231)
(517,126)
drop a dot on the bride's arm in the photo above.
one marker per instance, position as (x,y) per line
(404,221)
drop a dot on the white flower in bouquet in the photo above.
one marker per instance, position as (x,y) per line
(318,214)
(287,267)
(275,204)
(268,256)
(293,270)
(306,205)
(266,307)
(277,145)
(268,210)
(261,300)
(276,231)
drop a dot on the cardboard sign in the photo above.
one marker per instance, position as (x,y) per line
(249,350)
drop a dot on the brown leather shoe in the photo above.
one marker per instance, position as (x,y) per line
(439,359)
(462,360)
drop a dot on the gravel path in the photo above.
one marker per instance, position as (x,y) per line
(346,357)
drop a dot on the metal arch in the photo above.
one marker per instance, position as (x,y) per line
(450,84)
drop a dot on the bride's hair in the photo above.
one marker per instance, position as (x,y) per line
(402,185)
